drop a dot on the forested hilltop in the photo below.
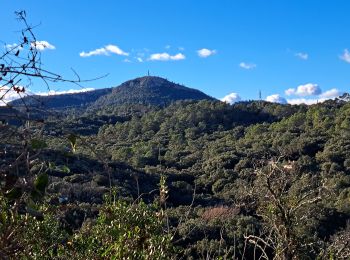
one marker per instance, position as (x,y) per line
(191,180)
(147,90)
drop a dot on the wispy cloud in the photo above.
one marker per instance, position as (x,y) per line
(247,66)
(62,92)
(42,45)
(345,56)
(276,98)
(107,50)
(302,55)
(140,56)
(309,89)
(166,57)
(204,53)
(116,50)
(13,46)
(100,51)
(231,98)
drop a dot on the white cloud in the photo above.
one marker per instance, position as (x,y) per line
(116,50)
(309,89)
(329,94)
(306,101)
(181,48)
(301,55)
(167,47)
(247,66)
(107,50)
(10,95)
(70,91)
(101,51)
(290,91)
(42,45)
(13,46)
(231,98)
(139,59)
(345,56)
(204,53)
(178,56)
(166,56)
(332,93)
(127,60)
(276,98)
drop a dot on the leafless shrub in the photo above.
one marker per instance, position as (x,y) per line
(287,200)
(21,64)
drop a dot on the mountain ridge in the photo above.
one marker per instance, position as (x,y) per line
(149,90)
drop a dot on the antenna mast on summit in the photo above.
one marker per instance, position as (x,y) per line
(148,72)
(259,94)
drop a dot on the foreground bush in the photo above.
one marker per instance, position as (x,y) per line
(123,231)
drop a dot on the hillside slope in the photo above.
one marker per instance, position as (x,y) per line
(144,90)
(149,90)
(62,101)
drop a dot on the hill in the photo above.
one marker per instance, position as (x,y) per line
(149,90)
(10,115)
(145,90)
(62,101)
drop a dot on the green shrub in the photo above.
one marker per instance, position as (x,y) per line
(124,231)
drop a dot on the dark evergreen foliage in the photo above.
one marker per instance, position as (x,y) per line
(237,176)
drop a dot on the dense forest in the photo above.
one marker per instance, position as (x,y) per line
(187,180)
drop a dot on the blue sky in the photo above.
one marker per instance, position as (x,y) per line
(274,46)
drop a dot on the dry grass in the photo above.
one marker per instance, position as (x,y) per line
(219,212)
